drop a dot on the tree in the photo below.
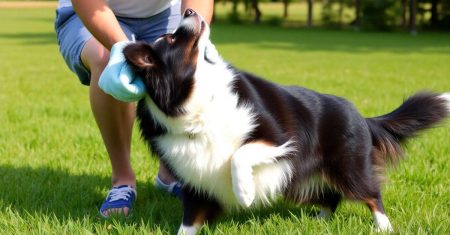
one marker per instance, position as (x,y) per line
(332,17)
(357,21)
(379,14)
(310,13)
(258,13)
(404,10)
(434,20)
(285,8)
(412,17)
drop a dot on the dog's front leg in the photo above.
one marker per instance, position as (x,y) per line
(243,161)
(197,209)
(242,177)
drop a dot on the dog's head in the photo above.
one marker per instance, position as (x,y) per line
(168,66)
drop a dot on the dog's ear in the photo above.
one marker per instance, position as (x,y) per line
(140,55)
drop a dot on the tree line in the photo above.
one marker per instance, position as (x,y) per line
(367,14)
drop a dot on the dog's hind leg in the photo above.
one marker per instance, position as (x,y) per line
(358,180)
(248,156)
(382,222)
(366,189)
(328,201)
(197,209)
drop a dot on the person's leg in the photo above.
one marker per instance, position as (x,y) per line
(149,30)
(114,118)
(87,58)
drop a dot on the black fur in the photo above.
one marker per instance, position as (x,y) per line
(333,140)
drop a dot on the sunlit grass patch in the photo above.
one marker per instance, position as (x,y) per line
(54,172)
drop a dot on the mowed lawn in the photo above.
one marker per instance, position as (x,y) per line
(54,172)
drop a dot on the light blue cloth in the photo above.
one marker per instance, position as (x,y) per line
(118,79)
(72,34)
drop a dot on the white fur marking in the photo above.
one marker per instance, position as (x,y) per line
(191,23)
(188,230)
(446,96)
(242,167)
(199,144)
(382,222)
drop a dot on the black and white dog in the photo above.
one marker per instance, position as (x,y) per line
(236,140)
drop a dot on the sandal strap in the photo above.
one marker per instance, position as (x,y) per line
(174,188)
(123,192)
(119,197)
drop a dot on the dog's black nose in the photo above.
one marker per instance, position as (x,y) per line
(188,12)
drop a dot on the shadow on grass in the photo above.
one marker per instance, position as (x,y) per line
(49,192)
(31,38)
(56,193)
(268,37)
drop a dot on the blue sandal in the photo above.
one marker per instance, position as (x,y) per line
(119,197)
(175,188)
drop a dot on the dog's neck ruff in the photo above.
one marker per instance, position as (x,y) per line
(199,144)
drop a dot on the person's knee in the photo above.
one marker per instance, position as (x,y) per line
(95,57)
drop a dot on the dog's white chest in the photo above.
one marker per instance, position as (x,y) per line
(199,145)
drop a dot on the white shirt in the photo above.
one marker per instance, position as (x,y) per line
(133,8)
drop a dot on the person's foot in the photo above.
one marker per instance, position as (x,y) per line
(120,200)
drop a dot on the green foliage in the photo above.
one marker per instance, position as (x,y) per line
(54,171)
(379,14)
(443,16)
(275,21)
(234,17)
(333,12)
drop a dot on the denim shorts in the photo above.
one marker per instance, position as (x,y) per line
(72,34)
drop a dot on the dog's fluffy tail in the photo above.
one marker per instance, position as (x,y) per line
(420,111)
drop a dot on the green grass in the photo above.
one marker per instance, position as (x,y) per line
(54,171)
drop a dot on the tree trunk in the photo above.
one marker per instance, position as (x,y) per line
(286,5)
(248,9)
(310,13)
(340,11)
(412,17)
(234,8)
(434,13)
(357,21)
(404,9)
(258,14)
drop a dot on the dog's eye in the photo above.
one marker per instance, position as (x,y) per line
(169,38)
(147,59)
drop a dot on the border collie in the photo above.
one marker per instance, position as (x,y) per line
(235,140)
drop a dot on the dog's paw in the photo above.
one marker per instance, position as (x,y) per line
(245,196)
(243,186)
(382,223)
(188,230)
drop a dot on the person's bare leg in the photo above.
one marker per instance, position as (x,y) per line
(114,118)
(164,174)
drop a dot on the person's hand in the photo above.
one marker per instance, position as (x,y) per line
(118,79)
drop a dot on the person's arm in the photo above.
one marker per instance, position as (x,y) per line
(100,21)
(204,8)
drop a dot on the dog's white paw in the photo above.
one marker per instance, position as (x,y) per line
(188,230)
(243,185)
(385,229)
(245,194)
(382,223)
